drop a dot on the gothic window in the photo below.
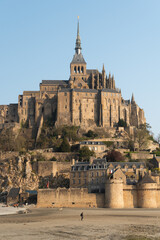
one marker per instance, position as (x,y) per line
(65,106)
(73,181)
(79,174)
(82,69)
(113,100)
(75,70)
(79,181)
(109,100)
(78,69)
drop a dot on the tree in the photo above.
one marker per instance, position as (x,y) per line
(142,135)
(65,146)
(91,134)
(114,156)
(85,154)
(122,123)
(158,138)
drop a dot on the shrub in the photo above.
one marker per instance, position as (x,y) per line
(85,154)
(114,156)
(65,146)
(91,134)
(122,123)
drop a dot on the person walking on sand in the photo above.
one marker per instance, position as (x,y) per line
(81,215)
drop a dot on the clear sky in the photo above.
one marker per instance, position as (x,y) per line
(37,40)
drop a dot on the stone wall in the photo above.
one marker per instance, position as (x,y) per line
(117,195)
(141,156)
(48,168)
(130,196)
(63,197)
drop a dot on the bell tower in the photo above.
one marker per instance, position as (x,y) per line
(78,64)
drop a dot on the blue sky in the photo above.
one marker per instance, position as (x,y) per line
(37,40)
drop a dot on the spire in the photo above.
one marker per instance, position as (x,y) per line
(103,70)
(78,40)
(132,99)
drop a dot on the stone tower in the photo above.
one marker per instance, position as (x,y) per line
(114,193)
(78,66)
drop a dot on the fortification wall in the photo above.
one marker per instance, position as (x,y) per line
(130,196)
(158,196)
(141,156)
(73,197)
(60,156)
(47,168)
(147,195)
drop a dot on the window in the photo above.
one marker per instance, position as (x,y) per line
(75,70)
(85,181)
(78,69)
(73,181)
(92,174)
(65,106)
(82,69)
(65,94)
(97,174)
(79,174)
(79,181)
(95,148)
(73,174)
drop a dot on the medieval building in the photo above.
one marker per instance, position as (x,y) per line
(87,98)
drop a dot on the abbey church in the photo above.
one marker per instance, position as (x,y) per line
(88,98)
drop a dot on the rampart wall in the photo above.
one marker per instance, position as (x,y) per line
(128,196)
(73,197)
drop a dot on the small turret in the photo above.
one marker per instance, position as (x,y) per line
(113,82)
(103,77)
(132,99)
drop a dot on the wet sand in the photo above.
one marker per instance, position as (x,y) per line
(47,223)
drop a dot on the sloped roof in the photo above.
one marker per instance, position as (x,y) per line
(54,82)
(146,179)
(78,58)
(14,192)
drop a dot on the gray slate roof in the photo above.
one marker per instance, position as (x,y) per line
(78,58)
(54,82)
(146,179)
(14,192)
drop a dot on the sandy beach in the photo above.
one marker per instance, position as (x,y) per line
(134,224)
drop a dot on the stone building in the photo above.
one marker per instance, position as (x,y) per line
(93,175)
(88,98)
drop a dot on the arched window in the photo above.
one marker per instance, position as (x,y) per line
(75,70)
(82,70)
(78,69)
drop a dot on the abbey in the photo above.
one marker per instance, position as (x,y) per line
(88,98)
